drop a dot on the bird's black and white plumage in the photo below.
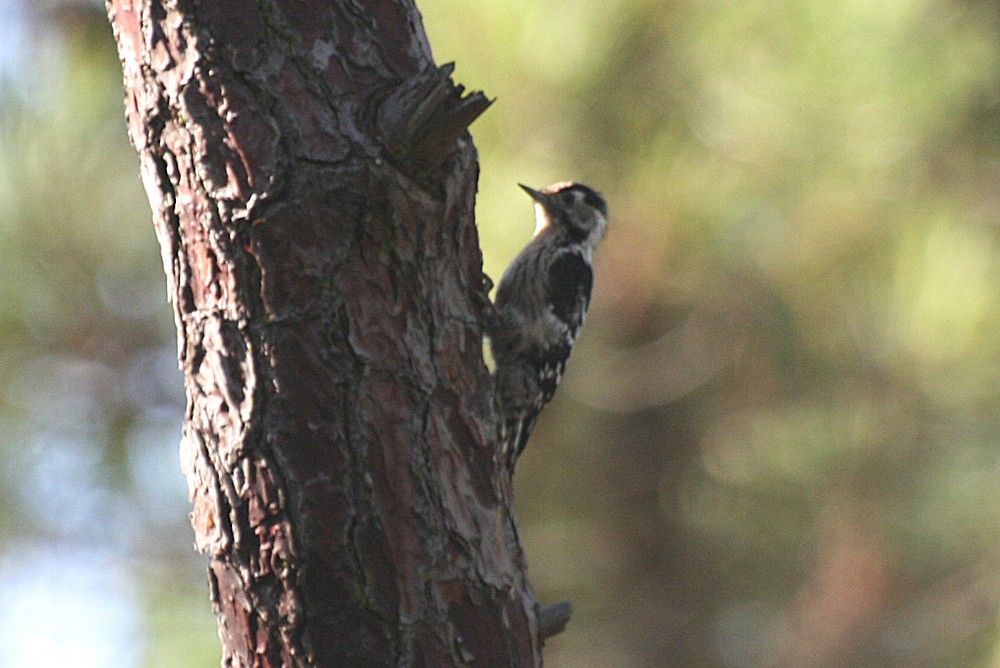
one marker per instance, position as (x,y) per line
(541,303)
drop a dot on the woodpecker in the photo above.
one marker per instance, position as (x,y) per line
(541,303)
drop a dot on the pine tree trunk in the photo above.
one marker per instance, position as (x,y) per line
(312,185)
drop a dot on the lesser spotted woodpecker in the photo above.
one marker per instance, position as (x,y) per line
(540,305)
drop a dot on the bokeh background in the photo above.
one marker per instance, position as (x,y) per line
(778,443)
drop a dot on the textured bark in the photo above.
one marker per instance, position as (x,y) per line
(312,186)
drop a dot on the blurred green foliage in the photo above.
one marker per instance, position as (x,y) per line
(777,443)
(95,547)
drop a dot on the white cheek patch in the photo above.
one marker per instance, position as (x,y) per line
(542,220)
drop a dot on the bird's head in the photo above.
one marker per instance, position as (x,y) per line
(574,208)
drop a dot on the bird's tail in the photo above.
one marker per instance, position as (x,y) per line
(515,429)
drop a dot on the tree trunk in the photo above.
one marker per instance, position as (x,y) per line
(312,185)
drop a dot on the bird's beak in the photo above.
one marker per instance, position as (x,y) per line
(539,197)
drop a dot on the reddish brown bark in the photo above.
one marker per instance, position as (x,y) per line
(312,187)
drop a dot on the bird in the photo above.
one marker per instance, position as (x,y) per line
(541,304)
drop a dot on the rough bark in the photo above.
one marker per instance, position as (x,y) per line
(312,185)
